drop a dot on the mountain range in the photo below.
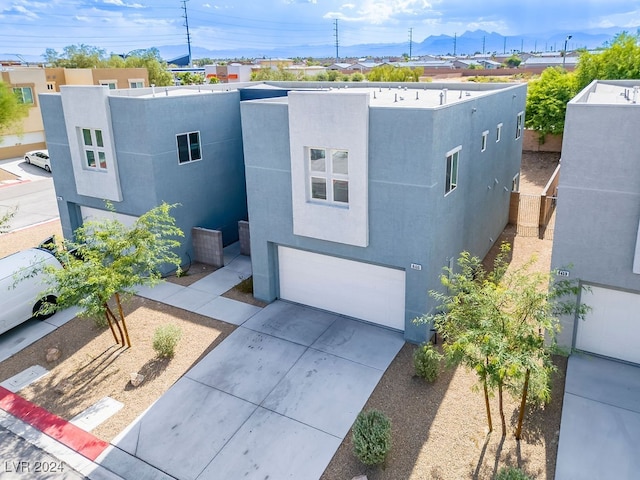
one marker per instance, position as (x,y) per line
(469,43)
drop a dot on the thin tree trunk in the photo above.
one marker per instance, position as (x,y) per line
(523,404)
(124,323)
(486,404)
(115,320)
(113,332)
(504,423)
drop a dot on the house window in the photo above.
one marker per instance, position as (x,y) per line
(329,175)
(51,86)
(189,147)
(498,132)
(515,183)
(136,83)
(93,146)
(451,179)
(112,84)
(485,137)
(519,125)
(24,95)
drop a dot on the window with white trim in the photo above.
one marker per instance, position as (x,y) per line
(188,147)
(24,95)
(451,177)
(328,174)
(95,155)
(112,84)
(498,132)
(136,83)
(51,86)
(515,183)
(485,137)
(519,125)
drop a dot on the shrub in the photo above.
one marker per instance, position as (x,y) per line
(511,473)
(426,360)
(246,286)
(371,437)
(165,340)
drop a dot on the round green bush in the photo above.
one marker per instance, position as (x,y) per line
(426,361)
(165,339)
(511,473)
(371,436)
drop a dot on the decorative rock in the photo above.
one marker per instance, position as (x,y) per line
(63,387)
(53,354)
(136,379)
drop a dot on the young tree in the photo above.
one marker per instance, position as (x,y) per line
(503,326)
(547,100)
(11,110)
(5,219)
(109,261)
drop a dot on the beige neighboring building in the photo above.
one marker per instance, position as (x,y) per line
(29,82)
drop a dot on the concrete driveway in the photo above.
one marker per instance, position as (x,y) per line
(600,427)
(273,400)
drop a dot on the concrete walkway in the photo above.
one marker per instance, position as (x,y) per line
(600,426)
(273,400)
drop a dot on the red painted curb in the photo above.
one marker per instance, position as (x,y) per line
(54,426)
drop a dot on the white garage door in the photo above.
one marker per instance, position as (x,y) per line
(356,289)
(89,213)
(612,327)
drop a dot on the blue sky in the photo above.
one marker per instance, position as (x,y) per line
(29,27)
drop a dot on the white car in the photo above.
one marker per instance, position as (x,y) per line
(39,158)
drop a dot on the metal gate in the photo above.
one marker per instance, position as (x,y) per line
(528,223)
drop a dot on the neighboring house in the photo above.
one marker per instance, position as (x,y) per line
(139,147)
(359,196)
(231,73)
(466,63)
(489,64)
(29,82)
(339,66)
(426,64)
(570,62)
(363,67)
(597,232)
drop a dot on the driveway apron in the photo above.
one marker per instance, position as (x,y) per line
(273,400)
(600,426)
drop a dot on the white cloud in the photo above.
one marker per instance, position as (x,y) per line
(378,11)
(349,6)
(120,3)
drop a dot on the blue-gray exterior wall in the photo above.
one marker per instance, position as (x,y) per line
(598,208)
(410,219)
(211,192)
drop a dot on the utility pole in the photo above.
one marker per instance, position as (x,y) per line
(484,39)
(455,42)
(504,48)
(186,24)
(521,45)
(410,43)
(335,34)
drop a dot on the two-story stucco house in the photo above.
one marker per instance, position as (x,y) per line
(140,147)
(358,197)
(597,233)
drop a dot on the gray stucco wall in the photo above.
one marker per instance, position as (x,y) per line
(598,198)
(410,219)
(211,192)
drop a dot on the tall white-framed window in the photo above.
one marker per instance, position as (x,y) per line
(95,157)
(519,125)
(515,183)
(188,147)
(498,132)
(485,138)
(136,83)
(24,95)
(328,175)
(451,176)
(112,84)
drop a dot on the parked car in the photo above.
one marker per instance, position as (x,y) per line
(22,281)
(39,158)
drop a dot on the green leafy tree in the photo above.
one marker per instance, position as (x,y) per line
(267,73)
(503,326)
(190,78)
(547,100)
(619,60)
(77,56)
(12,111)
(513,61)
(109,261)
(5,219)
(150,59)
(357,77)
(389,73)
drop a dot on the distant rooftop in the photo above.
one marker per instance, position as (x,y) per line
(618,92)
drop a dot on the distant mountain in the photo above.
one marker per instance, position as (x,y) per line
(469,43)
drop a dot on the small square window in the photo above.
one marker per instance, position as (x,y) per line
(91,158)
(99,141)
(189,147)
(318,188)
(341,191)
(86,135)
(318,161)
(24,95)
(341,162)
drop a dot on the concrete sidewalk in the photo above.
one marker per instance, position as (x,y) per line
(600,426)
(273,400)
